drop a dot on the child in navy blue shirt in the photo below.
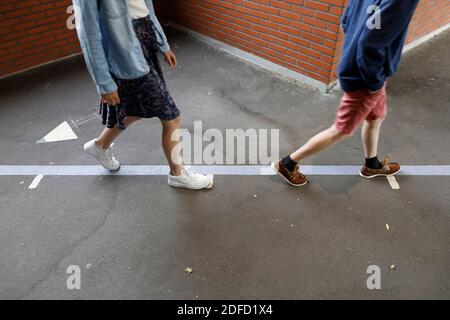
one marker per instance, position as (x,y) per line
(375,32)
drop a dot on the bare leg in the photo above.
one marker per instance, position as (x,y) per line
(107,137)
(370,134)
(170,140)
(318,143)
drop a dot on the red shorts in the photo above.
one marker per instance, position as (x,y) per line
(357,106)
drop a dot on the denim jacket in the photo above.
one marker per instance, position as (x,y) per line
(109,43)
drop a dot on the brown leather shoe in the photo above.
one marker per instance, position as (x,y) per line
(389,169)
(294,178)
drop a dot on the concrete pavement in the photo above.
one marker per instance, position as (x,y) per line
(251,237)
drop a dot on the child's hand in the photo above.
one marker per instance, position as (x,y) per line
(171,59)
(111,98)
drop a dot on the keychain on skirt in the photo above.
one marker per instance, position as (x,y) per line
(112,115)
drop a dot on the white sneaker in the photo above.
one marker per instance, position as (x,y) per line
(189,179)
(104,157)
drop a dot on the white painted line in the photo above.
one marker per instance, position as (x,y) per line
(393,182)
(60,133)
(242,170)
(36,181)
(90,118)
(77,123)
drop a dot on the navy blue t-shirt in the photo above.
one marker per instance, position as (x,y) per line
(371,55)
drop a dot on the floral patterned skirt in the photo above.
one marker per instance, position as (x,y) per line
(144,97)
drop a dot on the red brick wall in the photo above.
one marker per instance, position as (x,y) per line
(33,32)
(430,15)
(302,35)
(297,34)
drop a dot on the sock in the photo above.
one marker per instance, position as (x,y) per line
(289,163)
(373,163)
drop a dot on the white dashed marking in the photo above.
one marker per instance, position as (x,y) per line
(393,182)
(36,181)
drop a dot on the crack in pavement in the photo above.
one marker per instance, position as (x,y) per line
(223,93)
(54,266)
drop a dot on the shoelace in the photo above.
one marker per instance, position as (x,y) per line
(385,163)
(110,155)
(189,173)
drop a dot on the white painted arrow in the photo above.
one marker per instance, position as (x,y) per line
(60,133)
